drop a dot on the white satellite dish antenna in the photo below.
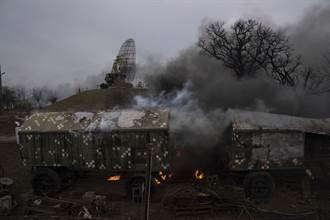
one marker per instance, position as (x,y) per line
(124,66)
(127,53)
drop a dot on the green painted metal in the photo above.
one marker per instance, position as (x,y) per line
(116,141)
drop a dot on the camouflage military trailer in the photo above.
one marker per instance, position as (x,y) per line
(117,142)
(264,145)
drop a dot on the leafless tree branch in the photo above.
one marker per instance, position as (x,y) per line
(249,46)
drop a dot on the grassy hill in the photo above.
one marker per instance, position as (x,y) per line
(98,99)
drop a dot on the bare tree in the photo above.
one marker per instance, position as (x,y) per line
(316,81)
(9,98)
(52,96)
(37,96)
(249,46)
(21,93)
(326,64)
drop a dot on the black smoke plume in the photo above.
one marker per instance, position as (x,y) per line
(199,89)
(214,87)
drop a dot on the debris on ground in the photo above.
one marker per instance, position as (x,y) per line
(91,206)
(196,199)
(7,201)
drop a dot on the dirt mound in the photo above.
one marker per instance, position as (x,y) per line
(98,99)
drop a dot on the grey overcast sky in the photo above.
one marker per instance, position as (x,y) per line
(52,42)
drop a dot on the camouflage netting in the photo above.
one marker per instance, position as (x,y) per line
(100,121)
(116,140)
(272,141)
(248,120)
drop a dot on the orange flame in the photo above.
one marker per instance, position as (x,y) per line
(114,178)
(162,176)
(157,181)
(199,175)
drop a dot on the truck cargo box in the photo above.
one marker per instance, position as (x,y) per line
(115,141)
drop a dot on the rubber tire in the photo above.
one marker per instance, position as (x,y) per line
(67,177)
(259,185)
(47,176)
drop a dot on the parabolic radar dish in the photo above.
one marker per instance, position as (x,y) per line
(128,53)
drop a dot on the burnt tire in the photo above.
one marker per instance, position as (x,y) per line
(46,182)
(68,177)
(259,185)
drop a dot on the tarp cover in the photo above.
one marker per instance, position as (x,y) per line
(248,120)
(96,121)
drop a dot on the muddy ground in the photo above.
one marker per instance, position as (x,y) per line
(283,200)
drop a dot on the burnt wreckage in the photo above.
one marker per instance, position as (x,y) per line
(117,142)
(262,145)
(259,146)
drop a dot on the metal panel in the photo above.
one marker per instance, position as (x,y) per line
(267,150)
(277,146)
(118,150)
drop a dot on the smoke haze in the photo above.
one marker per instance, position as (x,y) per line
(214,87)
(56,42)
(199,90)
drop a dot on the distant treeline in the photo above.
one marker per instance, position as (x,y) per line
(20,98)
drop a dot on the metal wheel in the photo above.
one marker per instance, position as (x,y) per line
(259,185)
(46,182)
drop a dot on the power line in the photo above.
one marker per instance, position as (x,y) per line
(1,95)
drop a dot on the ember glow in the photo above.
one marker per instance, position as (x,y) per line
(162,175)
(114,178)
(199,175)
(157,181)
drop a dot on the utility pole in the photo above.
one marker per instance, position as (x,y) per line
(148,186)
(1,98)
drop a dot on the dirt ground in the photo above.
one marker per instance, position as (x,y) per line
(284,200)
(10,164)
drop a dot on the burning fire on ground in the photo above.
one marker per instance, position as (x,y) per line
(162,177)
(199,175)
(114,178)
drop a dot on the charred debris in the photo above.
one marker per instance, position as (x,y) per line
(258,150)
(256,154)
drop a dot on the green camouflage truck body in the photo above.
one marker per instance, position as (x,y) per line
(116,141)
(264,141)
